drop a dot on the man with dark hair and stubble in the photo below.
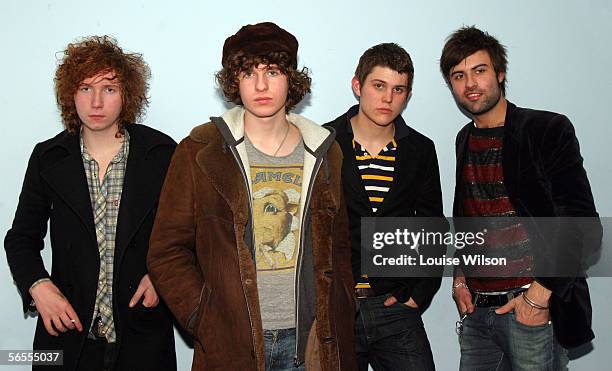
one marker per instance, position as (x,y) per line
(389,170)
(515,162)
(250,245)
(97,183)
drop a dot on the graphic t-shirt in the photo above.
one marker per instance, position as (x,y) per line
(277,187)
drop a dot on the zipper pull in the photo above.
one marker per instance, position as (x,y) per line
(296,361)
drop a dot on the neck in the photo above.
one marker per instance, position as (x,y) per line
(495,117)
(267,129)
(101,141)
(366,130)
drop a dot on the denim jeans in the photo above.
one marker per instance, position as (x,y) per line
(391,338)
(280,350)
(491,341)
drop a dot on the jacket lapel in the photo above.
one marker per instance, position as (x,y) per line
(350,172)
(404,171)
(67,178)
(460,152)
(223,171)
(141,185)
(511,155)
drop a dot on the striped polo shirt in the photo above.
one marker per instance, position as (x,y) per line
(376,171)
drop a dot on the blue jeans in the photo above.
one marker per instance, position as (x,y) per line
(280,350)
(391,338)
(492,341)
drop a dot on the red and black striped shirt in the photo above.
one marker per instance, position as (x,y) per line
(486,196)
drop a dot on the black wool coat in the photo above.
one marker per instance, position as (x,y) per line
(55,190)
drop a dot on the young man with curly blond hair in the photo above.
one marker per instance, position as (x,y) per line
(97,183)
(250,245)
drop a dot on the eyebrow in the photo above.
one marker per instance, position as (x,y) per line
(386,83)
(473,68)
(110,83)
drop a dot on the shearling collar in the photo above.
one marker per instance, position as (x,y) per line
(317,139)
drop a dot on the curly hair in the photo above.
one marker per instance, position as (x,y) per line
(100,54)
(297,80)
(467,41)
(388,55)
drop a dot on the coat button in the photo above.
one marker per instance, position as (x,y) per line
(252,354)
(248,281)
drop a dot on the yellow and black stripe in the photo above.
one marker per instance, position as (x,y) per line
(376,172)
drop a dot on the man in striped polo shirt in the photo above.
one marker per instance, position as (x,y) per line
(513,161)
(389,170)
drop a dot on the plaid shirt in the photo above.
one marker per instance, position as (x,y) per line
(105,200)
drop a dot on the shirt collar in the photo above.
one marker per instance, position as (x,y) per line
(120,156)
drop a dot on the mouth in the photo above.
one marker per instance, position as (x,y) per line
(96,117)
(263,100)
(384,110)
(473,96)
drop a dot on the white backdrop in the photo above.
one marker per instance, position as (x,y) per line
(559,56)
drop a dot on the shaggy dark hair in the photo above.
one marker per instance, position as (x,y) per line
(101,54)
(298,80)
(385,55)
(467,41)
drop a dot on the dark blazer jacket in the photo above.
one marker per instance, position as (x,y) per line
(544,177)
(55,189)
(415,191)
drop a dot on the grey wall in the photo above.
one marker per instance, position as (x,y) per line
(559,56)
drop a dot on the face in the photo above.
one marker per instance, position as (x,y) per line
(98,102)
(475,85)
(383,95)
(274,219)
(263,91)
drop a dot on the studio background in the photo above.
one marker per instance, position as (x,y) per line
(559,60)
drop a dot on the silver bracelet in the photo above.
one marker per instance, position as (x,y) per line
(457,285)
(532,303)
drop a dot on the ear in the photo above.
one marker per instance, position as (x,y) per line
(356,86)
(501,77)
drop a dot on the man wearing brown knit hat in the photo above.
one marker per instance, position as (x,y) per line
(250,245)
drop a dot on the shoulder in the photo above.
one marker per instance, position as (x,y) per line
(341,126)
(541,123)
(203,133)
(465,130)
(55,149)
(150,136)
(60,140)
(340,120)
(418,140)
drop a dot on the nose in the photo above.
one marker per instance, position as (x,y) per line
(470,81)
(97,101)
(388,95)
(261,84)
